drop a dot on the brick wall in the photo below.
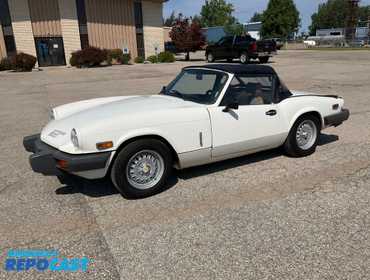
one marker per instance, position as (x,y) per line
(153,27)
(2,44)
(69,26)
(22,28)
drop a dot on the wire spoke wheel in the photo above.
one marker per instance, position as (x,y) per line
(145,169)
(306,135)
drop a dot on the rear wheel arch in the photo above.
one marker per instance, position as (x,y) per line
(293,145)
(315,114)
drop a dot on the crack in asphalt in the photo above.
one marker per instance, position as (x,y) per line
(104,244)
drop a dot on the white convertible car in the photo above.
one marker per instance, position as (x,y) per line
(207,114)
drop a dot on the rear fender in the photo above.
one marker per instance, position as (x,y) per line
(302,112)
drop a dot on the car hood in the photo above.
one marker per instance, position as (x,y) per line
(100,116)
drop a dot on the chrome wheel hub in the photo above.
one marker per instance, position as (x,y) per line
(306,135)
(145,169)
(243,58)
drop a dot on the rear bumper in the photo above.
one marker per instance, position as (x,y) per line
(47,160)
(337,119)
(264,54)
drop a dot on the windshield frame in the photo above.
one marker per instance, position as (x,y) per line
(216,99)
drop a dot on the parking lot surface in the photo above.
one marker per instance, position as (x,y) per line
(264,216)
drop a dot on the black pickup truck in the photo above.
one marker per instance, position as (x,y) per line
(243,47)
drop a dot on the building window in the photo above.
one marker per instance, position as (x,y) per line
(6,25)
(138,10)
(82,23)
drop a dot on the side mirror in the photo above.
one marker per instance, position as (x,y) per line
(232,106)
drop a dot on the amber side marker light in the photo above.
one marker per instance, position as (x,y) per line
(104,145)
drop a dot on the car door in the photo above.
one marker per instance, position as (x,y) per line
(224,47)
(256,125)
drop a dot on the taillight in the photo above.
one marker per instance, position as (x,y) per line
(253,47)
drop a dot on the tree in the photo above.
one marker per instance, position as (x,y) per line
(170,20)
(333,14)
(235,29)
(197,19)
(187,36)
(364,13)
(256,17)
(217,13)
(280,19)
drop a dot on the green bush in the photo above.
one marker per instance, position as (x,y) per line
(139,59)
(115,53)
(5,64)
(166,57)
(125,59)
(114,56)
(89,57)
(73,60)
(23,62)
(153,59)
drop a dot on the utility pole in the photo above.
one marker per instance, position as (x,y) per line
(368,30)
(352,20)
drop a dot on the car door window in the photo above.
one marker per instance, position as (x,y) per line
(241,40)
(226,41)
(250,90)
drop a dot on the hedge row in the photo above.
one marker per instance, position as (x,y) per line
(20,62)
(93,57)
(163,57)
(89,57)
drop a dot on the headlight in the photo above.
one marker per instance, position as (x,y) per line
(74,138)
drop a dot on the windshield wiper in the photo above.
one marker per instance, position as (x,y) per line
(176,93)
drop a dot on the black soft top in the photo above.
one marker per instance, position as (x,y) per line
(238,68)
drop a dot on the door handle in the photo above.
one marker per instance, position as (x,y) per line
(271,113)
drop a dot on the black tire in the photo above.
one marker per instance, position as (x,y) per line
(210,57)
(244,58)
(291,145)
(119,168)
(264,59)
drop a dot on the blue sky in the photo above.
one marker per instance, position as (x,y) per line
(244,9)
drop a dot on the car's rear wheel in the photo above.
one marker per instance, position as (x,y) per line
(244,58)
(264,59)
(210,57)
(303,137)
(142,168)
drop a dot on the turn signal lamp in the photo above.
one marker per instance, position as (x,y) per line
(104,145)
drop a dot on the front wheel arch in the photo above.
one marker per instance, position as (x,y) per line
(143,137)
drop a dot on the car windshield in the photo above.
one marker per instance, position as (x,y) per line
(197,85)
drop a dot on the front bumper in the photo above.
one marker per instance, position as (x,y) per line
(337,119)
(52,162)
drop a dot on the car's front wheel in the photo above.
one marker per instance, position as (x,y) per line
(303,137)
(142,168)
